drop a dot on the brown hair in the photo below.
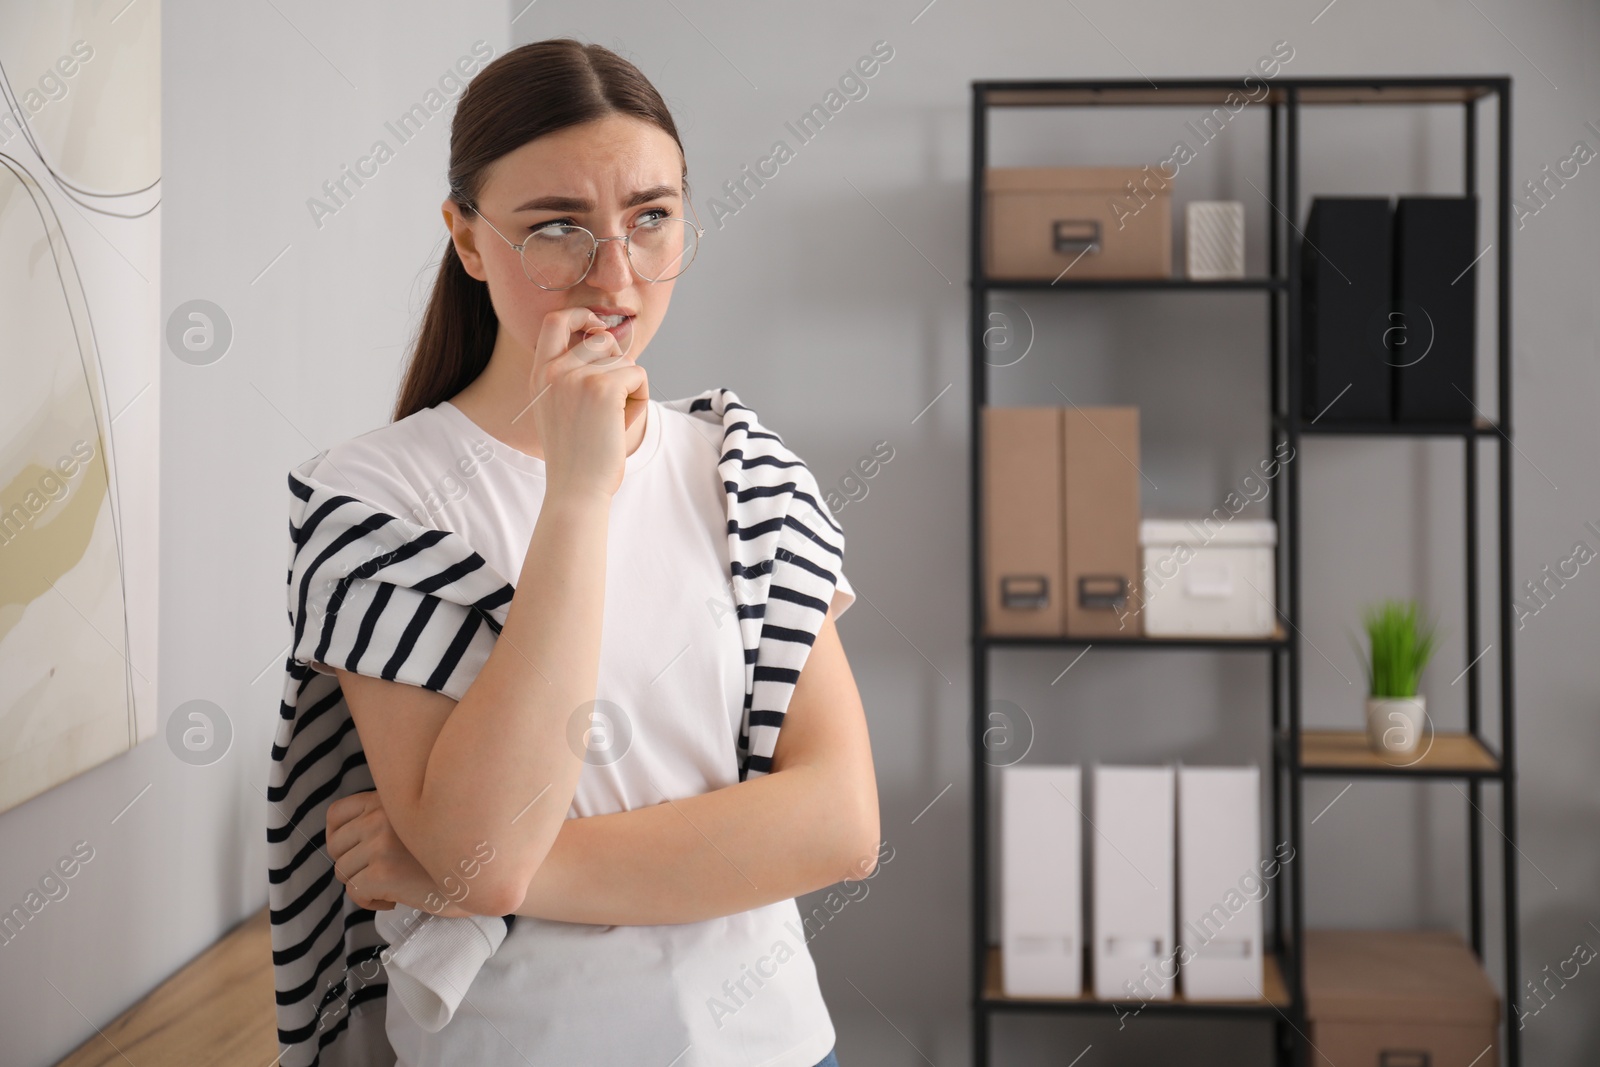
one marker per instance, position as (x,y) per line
(528,92)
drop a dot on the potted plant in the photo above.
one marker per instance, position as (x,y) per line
(1401,645)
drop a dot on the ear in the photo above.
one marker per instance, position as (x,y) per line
(465,240)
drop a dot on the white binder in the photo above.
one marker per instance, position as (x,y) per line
(1041,882)
(1134,955)
(1221,885)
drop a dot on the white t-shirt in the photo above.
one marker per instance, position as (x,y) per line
(738,991)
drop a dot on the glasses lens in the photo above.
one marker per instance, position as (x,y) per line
(556,257)
(662,249)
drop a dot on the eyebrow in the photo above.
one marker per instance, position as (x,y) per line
(578,203)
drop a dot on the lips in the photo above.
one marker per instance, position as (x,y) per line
(618,322)
(612,316)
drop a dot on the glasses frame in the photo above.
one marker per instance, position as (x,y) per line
(627,249)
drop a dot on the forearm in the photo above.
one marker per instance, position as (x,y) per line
(501,770)
(702,857)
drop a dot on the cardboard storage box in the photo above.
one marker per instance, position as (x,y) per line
(1022,521)
(1202,578)
(1398,998)
(1101,222)
(1101,521)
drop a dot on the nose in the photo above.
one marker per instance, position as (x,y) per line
(611,270)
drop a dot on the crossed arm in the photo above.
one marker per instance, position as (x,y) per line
(811,822)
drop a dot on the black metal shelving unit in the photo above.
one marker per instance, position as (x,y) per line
(1296,753)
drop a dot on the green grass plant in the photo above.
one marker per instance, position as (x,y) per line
(1401,644)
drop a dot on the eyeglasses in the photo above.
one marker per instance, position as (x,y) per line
(559,255)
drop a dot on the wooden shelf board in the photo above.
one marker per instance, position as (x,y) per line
(1277,995)
(1278,638)
(1479,426)
(1332,751)
(1391,94)
(1101,284)
(1180,95)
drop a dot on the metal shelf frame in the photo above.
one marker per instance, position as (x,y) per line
(1284,424)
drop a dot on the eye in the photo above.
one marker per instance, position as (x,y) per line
(553,227)
(653,215)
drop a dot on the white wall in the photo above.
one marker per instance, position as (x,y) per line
(840,330)
(262,104)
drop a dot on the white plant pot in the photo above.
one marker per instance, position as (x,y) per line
(1395,724)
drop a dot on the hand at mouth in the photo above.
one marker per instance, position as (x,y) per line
(618,322)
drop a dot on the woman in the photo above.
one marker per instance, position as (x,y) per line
(648,881)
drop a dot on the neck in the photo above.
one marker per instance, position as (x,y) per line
(499,400)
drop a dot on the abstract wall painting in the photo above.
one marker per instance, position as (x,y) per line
(80,156)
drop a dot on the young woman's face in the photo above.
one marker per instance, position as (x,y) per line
(608,176)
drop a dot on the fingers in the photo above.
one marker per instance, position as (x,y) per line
(598,361)
(348,867)
(557,357)
(344,809)
(342,840)
(355,869)
(594,344)
(344,822)
(339,813)
(599,347)
(355,825)
(638,384)
(555,338)
(370,903)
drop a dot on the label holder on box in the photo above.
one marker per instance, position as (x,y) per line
(1076,235)
(1024,591)
(1102,592)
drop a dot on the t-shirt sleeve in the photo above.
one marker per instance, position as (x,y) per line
(844,594)
(368,474)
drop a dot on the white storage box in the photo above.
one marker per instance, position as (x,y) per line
(1214,239)
(1134,884)
(1220,883)
(1041,881)
(1205,578)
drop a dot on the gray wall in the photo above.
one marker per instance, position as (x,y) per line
(833,303)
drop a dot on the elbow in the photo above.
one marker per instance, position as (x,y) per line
(481,879)
(475,870)
(495,891)
(494,898)
(867,850)
(858,838)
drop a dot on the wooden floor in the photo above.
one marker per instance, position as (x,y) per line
(216,1010)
